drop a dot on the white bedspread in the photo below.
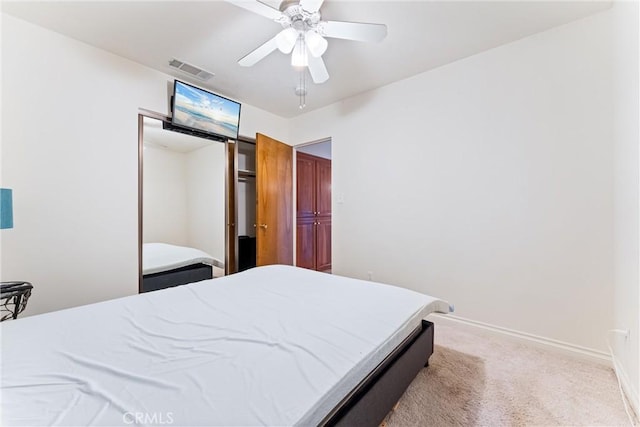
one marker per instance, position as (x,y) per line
(159,257)
(273,346)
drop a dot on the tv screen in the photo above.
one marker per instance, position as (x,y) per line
(203,111)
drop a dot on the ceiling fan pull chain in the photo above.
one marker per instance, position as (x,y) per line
(301,90)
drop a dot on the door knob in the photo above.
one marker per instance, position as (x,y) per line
(263,226)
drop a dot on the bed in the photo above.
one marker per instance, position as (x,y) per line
(165,265)
(274,345)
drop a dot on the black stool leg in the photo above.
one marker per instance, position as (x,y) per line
(16,301)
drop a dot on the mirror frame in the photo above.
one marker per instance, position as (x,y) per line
(142,114)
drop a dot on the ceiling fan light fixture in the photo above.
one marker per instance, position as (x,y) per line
(286,40)
(299,55)
(316,43)
(304,36)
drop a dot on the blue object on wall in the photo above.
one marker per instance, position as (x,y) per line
(6,208)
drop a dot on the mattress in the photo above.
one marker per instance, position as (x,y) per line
(273,345)
(160,257)
(218,272)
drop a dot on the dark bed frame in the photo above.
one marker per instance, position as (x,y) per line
(176,277)
(371,400)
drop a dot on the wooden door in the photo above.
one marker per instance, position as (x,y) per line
(323,216)
(305,182)
(274,208)
(323,244)
(313,222)
(306,243)
(323,187)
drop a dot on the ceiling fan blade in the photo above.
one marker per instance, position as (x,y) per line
(256,55)
(353,31)
(257,7)
(311,5)
(317,69)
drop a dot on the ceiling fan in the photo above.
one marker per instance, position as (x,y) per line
(303,34)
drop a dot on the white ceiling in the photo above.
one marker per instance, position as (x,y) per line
(213,35)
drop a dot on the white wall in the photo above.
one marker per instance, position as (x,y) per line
(206,199)
(626,133)
(165,199)
(486,182)
(2,182)
(69,151)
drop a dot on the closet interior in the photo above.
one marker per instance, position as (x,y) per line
(246,204)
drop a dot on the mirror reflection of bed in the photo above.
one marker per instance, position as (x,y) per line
(183,207)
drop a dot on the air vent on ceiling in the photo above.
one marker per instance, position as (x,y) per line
(192,70)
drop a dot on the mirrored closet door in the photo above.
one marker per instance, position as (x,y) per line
(183,203)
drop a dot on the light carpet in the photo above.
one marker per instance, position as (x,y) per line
(481,379)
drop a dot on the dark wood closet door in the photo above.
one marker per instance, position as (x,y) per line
(323,187)
(306,243)
(305,181)
(274,209)
(323,244)
(313,224)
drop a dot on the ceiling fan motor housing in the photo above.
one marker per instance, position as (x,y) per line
(298,18)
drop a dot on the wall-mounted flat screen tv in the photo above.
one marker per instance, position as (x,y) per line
(202,111)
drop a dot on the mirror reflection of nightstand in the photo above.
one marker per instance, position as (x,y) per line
(13,298)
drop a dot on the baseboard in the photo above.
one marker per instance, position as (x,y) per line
(628,389)
(600,357)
